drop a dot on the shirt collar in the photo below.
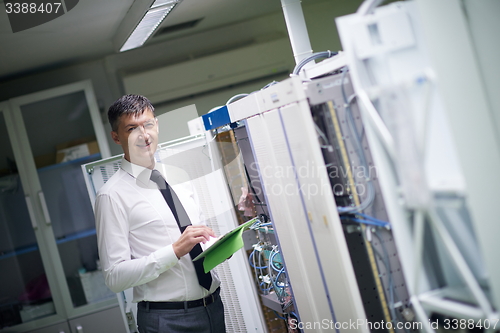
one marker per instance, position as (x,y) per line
(140,173)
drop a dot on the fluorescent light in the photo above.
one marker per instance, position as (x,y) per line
(158,3)
(151,20)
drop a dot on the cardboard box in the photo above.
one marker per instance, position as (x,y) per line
(76,149)
(45,160)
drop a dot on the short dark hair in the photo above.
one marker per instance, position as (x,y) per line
(128,104)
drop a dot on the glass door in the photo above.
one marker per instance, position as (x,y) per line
(25,294)
(60,129)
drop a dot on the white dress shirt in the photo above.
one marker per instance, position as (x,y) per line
(135,231)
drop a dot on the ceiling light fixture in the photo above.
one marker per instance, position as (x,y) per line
(149,23)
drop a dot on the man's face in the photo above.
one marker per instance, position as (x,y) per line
(138,136)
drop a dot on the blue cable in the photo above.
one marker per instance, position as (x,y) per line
(374,219)
(280,291)
(277,315)
(271,260)
(277,277)
(365,221)
(251,263)
(265,289)
(353,130)
(353,219)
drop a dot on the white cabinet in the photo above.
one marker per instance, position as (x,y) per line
(57,328)
(47,232)
(107,321)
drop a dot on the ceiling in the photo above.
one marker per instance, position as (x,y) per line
(86,32)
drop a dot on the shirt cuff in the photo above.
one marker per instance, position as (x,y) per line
(166,258)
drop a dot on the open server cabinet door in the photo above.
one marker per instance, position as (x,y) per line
(199,157)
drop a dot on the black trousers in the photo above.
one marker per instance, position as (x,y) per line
(202,319)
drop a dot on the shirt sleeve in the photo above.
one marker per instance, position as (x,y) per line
(120,270)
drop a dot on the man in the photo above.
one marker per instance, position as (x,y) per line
(142,238)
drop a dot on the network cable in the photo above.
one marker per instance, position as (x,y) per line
(374,219)
(357,139)
(252,263)
(277,315)
(303,62)
(322,135)
(280,290)
(274,276)
(271,261)
(270,274)
(392,292)
(269,84)
(235,98)
(243,95)
(368,222)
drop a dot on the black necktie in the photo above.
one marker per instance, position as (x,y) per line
(182,219)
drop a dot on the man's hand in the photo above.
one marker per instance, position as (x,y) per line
(193,235)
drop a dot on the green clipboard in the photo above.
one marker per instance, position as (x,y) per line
(224,247)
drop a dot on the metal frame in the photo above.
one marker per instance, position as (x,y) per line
(308,228)
(479,152)
(375,72)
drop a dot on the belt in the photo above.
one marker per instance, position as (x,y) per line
(180,305)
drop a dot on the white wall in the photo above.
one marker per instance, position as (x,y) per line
(173,124)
